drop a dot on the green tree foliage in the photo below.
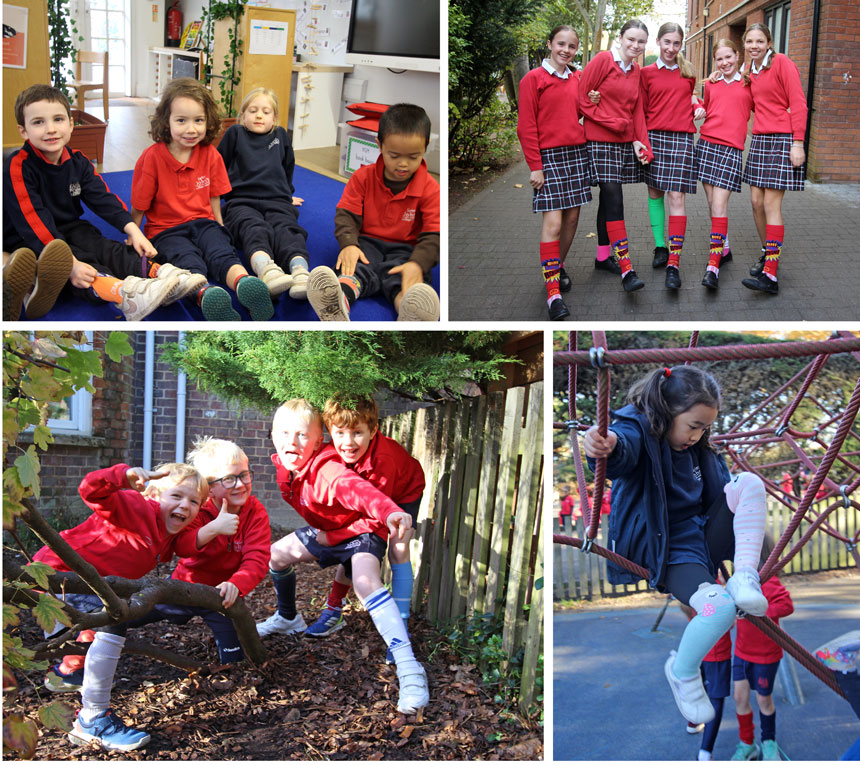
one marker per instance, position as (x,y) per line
(263,369)
(61,29)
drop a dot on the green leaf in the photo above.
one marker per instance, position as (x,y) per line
(117,346)
(48,611)
(10,615)
(82,366)
(11,509)
(39,573)
(28,470)
(539,583)
(42,436)
(20,735)
(12,482)
(58,715)
(40,383)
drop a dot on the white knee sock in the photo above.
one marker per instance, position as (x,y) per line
(388,622)
(746,498)
(99,670)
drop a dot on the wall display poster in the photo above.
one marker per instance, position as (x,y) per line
(14,36)
(268,38)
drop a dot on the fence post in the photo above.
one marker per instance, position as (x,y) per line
(434,601)
(534,634)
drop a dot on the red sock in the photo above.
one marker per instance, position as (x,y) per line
(719,231)
(747,729)
(337,595)
(551,264)
(153,270)
(677,229)
(773,246)
(618,241)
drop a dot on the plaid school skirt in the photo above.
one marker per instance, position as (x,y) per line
(674,165)
(769,166)
(611,162)
(719,165)
(565,175)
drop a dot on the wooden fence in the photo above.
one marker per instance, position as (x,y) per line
(478,546)
(578,576)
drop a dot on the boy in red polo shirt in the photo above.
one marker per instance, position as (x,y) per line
(387,226)
(350,521)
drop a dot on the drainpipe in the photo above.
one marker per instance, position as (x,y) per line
(810,88)
(181,382)
(148,395)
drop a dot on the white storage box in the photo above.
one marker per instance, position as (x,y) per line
(358,147)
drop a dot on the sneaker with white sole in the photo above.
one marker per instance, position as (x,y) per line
(414,693)
(187,283)
(53,268)
(746,751)
(744,589)
(57,681)
(299,290)
(278,625)
(325,295)
(275,278)
(693,728)
(329,621)
(689,693)
(109,731)
(770,750)
(420,303)
(140,297)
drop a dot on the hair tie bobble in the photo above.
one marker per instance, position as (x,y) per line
(667,372)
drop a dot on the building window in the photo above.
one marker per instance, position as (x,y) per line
(777,18)
(73,415)
(709,55)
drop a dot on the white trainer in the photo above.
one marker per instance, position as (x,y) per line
(278,625)
(325,295)
(187,282)
(689,693)
(745,590)
(140,297)
(299,290)
(275,279)
(414,693)
(420,303)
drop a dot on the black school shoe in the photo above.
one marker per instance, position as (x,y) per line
(710,280)
(661,257)
(564,283)
(610,265)
(673,278)
(631,282)
(558,310)
(757,268)
(762,283)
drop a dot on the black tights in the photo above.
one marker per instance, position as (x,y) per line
(709,735)
(610,207)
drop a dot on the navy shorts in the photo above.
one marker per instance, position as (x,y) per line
(760,676)
(343,552)
(717,676)
(90,604)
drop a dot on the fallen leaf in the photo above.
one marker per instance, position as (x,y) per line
(407,731)
(518,185)
(591,235)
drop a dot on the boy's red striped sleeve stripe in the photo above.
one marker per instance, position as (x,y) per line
(23,196)
(96,173)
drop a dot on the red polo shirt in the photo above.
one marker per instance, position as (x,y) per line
(390,217)
(170,192)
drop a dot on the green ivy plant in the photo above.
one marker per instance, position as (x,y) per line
(61,34)
(229,77)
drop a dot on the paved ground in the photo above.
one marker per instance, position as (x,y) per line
(612,702)
(494,270)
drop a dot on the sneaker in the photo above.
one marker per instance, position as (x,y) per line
(187,283)
(419,303)
(299,290)
(710,280)
(275,278)
(745,590)
(762,283)
(329,621)
(689,694)
(746,751)
(57,681)
(693,728)
(770,750)
(278,625)
(673,278)
(631,282)
(217,306)
(140,297)
(558,310)
(53,268)
(610,264)
(414,693)
(19,275)
(564,283)
(109,731)
(254,295)
(325,295)
(661,257)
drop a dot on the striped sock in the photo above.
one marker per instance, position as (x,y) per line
(719,239)
(351,287)
(747,499)
(551,263)
(388,622)
(773,246)
(677,229)
(618,238)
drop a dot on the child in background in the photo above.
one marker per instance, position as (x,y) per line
(227,547)
(177,184)
(755,663)
(387,226)
(44,184)
(127,534)
(261,212)
(351,520)
(677,512)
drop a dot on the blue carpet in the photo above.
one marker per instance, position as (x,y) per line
(316,215)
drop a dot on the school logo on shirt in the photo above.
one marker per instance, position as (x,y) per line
(409,215)
(202,181)
(74,189)
(697,473)
(275,142)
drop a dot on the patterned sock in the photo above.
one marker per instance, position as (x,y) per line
(152,271)
(351,288)
(719,243)
(285,591)
(551,264)
(747,729)
(726,247)
(768,726)
(747,499)
(715,614)
(618,239)
(677,229)
(774,235)
(388,622)
(657,214)
(259,260)
(401,586)
(107,288)
(337,595)
(603,251)
(298,261)
(99,670)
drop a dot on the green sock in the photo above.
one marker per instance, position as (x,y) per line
(657,214)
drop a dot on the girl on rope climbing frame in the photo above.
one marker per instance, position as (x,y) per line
(678,512)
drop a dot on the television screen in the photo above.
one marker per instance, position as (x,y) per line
(407,28)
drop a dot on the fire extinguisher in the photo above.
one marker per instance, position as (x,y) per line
(173,26)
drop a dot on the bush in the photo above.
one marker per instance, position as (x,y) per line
(488,138)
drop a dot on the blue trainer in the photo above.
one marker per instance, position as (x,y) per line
(58,681)
(330,620)
(109,731)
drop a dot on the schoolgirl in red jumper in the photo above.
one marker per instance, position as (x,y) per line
(667,100)
(617,142)
(776,155)
(553,142)
(728,103)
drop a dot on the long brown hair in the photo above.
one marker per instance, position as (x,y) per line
(685,66)
(769,37)
(725,42)
(185,87)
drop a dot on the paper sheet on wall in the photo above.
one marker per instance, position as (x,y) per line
(268,38)
(15,36)
(321,30)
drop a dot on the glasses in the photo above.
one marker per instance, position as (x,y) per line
(229,481)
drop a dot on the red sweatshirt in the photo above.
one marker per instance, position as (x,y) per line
(618,118)
(722,650)
(124,536)
(242,558)
(667,99)
(751,644)
(728,107)
(548,114)
(774,92)
(331,497)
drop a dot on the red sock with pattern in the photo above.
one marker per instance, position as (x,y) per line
(618,240)
(719,229)
(773,246)
(747,728)
(152,271)
(551,263)
(350,286)
(677,229)
(337,595)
